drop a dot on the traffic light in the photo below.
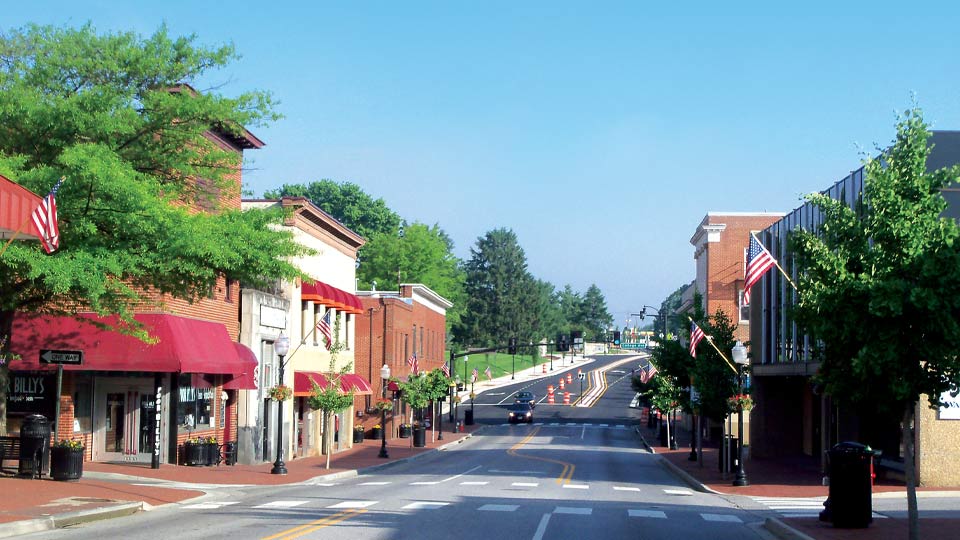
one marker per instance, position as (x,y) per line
(616,337)
(512,347)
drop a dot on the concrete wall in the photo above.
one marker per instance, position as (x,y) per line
(937,444)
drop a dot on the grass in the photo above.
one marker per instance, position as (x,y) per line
(500,364)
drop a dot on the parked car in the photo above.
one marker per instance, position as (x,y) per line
(520,412)
(525,397)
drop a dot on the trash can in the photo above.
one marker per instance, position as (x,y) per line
(230,448)
(34,445)
(850,468)
(468,418)
(731,448)
(662,435)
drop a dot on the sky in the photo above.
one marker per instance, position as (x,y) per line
(601,133)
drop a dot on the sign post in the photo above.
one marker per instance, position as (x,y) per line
(59,358)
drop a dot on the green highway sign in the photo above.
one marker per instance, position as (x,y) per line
(633,345)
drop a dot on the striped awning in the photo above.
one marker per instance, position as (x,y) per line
(331,296)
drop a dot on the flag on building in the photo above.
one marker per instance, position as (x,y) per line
(648,374)
(696,334)
(45,219)
(476,375)
(414,363)
(323,325)
(445,368)
(488,373)
(759,260)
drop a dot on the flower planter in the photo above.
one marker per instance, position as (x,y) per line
(357,436)
(212,452)
(419,437)
(376,434)
(66,464)
(405,432)
(194,454)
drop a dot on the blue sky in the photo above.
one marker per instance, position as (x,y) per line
(600,132)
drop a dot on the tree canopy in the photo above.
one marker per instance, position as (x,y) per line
(139,210)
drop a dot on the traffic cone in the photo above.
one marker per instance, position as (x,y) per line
(569,378)
(561,383)
(544,365)
(566,398)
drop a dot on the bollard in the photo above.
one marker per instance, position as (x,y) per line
(544,365)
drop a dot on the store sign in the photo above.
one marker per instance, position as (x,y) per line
(272,317)
(31,392)
(950,405)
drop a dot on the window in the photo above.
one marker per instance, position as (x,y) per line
(231,284)
(745,308)
(194,404)
(346,330)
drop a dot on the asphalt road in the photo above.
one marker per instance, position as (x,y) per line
(576,472)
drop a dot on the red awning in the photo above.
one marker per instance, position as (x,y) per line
(331,296)
(303,382)
(393,386)
(359,385)
(17,203)
(183,345)
(246,380)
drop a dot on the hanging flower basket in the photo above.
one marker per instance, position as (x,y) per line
(281,392)
(383,405)
(740,402)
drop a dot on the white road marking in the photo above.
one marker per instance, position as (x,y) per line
(281,504)
(499,507)
(502,471)
(424,483)
(542,527)
(524,484)
(647,514)
(573,510)
(208,505)
(624,488)
(374,483)
(576,486)
(721,517)
(678,492)
(454,477)
(474,483)
(353,504)
(424,505)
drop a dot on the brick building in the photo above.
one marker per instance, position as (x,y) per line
(392,329)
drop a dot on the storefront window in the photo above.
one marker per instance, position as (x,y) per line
(82,404)
(194,404)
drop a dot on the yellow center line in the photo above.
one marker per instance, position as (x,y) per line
(565,475)
(307,528)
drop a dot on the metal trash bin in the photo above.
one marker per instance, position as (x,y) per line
(849,504)
(468,418)
(731,449)
(230,451)
(34,446)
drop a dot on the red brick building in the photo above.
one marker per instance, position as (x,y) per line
(393,328)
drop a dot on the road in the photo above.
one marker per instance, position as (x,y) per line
(577,472)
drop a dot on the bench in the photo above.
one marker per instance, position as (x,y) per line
(10,450)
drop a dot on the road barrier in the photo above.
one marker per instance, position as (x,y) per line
(566,398)
(544,365)
(569,378)
(561,383)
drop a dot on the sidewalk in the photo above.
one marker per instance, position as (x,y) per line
(109,490)
(792,477)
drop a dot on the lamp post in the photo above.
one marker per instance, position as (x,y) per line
(550,355)
(384,375)
(281,346)
(739,354)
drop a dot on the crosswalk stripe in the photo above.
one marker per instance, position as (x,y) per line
(576,486)
(281,504)
(499,507)
(678,492)
(647,513)
(424,483)
(424,505)
(353,504)
(573,510)
(474,483)
(721,518)
(375,483)
(624,488)
(524,484)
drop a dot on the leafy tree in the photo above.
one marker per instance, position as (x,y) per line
(501,293)
(332,399)
(712,375)
(594,317)
(348,203)
(879,288)
(416,391)
(112,114)
(571,305)
(548,317)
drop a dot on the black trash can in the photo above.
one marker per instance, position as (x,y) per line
(662,435)
(731,448)
(357,436)
(850,468)
(34,445)
(419,437)
(468,418)
(230,449)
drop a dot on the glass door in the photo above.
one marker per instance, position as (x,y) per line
(124,421)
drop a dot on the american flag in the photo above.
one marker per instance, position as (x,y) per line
(696,334)
(648,374)
(476,374)
(445,368)
(488,373)
(45,219)
(414,363)
(324,327)
(759,260)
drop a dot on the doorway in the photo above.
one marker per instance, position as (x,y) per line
(123,420)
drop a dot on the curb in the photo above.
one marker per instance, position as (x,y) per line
(16,528)
(783,531)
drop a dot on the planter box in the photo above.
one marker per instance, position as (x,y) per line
(376,434)
(357,436)
(66,464)
(405,432)
(194,454)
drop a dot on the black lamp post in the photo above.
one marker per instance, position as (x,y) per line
(384,376)
(550,355)
(739,354)
(281,346)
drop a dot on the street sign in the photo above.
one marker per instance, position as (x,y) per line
(580,376)
(61,357)
(640,345)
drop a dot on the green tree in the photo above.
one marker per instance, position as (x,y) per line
(501,294)
(111,114)
(348,203)
(548,317)
(594,317)
(332,399)
(571,306)
(416,391)
(713,377)
(879,288)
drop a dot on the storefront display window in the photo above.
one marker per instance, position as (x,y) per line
(194,404)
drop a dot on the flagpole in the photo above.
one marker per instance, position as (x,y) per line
(714,345)
(774,259)
(24,224)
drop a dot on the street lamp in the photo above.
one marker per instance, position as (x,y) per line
(281,346)
(550,355)
(384,375)
(739,354)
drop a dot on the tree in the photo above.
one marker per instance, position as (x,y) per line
(879,288)
(571,306)
(416,391)
(500,291)
(594,317)
(331,399)
(348,203)
(548,317)
(113,115)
